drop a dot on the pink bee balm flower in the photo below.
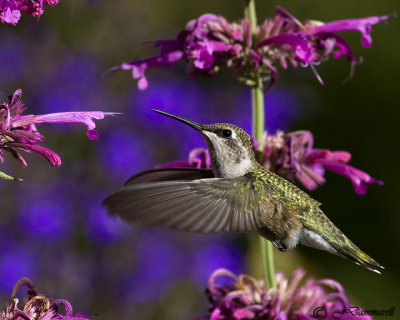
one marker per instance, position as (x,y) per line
(10,10)
(18,132)
(292,156)
(211,42)
(247,298)
(38,306)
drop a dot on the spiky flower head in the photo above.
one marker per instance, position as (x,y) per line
(211,42)
(246,298)
(38,306)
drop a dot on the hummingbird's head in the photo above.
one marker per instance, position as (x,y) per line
(229,146)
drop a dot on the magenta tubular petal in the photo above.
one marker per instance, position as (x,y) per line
(317,154)
(199,158)
(49,155)
(344,48)
(139,67)
(358,178)
(341,156)
(83,117)
(306,180)
(362,25)
(18,157)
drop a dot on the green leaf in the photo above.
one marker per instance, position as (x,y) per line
(7,177)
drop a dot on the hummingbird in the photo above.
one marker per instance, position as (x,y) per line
(236,195)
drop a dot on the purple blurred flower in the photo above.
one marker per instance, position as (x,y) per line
(247,298)
(212,256)
(99,227)
(211,42)
(121,151)
(16,261)
(18,132)
(38,306)
(10,10)
(138,286)
(81,85)
(292,156)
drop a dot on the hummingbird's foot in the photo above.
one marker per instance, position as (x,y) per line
(281,247)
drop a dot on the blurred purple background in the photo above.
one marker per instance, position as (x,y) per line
(52,228)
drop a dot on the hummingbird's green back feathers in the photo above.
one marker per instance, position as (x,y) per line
(318,231)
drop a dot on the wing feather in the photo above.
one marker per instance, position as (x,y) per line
(209,205)
(169,174)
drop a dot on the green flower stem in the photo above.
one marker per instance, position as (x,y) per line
(250,14)
(257,102)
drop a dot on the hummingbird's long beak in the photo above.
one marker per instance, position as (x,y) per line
(194,125)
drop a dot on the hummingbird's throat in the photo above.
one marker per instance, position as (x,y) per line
(229,158)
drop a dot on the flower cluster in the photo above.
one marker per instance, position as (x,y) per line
(211,42)
(38,306)
(10,10)
(293,157)
(18,132)
(247,298)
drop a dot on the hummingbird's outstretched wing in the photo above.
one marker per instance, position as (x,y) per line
(169,174)
(201,205)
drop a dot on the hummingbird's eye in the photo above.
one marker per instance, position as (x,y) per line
(226,133)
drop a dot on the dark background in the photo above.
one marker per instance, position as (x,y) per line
(51,226)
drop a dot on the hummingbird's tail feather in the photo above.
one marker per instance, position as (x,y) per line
(321,233)
(353,253)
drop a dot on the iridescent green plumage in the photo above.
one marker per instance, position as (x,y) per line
(297,205)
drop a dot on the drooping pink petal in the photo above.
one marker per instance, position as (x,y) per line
(359,178)
(139,67)
(49,155)
(18,157)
